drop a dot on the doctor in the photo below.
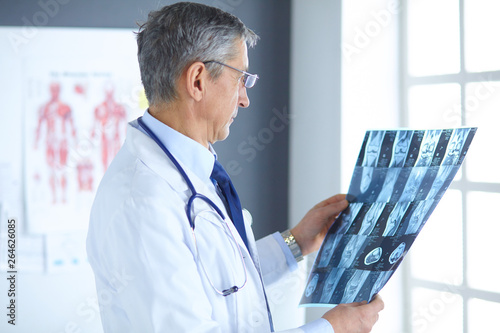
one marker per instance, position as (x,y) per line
(167,241)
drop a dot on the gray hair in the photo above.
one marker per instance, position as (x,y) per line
(178,35)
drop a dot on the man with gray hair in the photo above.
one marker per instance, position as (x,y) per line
(170,246)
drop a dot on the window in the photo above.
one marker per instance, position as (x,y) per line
(450,63)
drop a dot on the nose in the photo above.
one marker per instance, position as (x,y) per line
(243,101)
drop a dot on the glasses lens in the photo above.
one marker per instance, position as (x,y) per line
(250,81)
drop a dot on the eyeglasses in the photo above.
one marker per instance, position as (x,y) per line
(249,80)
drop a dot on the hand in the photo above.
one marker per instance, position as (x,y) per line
(312,229)
(355,317)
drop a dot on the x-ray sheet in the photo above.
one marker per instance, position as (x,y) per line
(398,180)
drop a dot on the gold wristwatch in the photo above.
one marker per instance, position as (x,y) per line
(292,245)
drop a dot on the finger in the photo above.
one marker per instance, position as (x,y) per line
(330,200)
(356,304)
(335,208)
(333,211)
(377,303)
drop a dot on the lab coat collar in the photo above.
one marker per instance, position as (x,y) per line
(146,149)
(192,154)
(149,153)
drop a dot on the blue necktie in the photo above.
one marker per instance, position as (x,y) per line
(222,178)
(234,208)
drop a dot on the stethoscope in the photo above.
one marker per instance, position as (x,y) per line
(195,195)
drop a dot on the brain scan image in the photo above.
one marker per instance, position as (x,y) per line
(373,256)
(397,253)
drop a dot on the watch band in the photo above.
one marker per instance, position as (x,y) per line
(292,245)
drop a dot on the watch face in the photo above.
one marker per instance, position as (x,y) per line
(288,237)
(292,245)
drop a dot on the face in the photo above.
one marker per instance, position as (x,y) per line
(225,95)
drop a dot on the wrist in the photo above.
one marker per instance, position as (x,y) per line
(292,244)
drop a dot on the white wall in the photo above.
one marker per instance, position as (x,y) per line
(315,107)
(370,96)
(344,81)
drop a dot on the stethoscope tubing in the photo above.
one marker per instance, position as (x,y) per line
(194,193)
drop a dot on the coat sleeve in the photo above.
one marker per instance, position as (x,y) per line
(273,259)
(276,263)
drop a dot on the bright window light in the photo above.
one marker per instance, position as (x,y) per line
(483,315)
(482,232)
(482,103)
(433,37)
(436,311)
(434,106)
(482,49)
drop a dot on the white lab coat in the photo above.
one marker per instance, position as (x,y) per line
(143,254)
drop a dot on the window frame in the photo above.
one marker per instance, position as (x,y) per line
(463,184)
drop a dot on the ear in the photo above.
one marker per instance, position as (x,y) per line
(196,80)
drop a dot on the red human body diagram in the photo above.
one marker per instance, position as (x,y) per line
(74,104)
(56,133)
(109,121)
(59,130)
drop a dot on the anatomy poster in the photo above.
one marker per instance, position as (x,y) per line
(398,180)
(76,110)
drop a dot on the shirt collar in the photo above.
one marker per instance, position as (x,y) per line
(188,152)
